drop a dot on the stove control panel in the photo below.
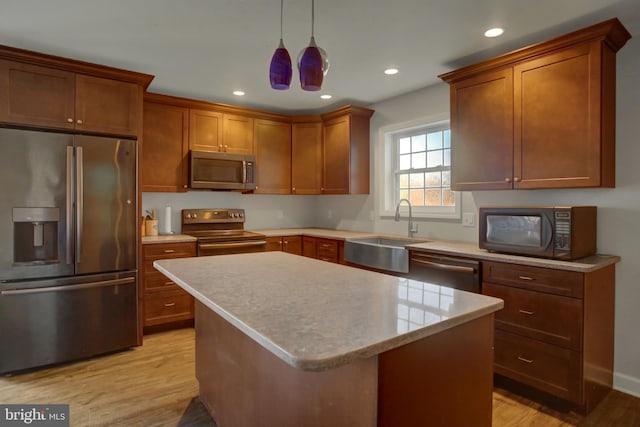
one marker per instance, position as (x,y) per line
(209,216)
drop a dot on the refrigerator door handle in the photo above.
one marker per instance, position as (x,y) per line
(69,206)
(79,202)
(100,284)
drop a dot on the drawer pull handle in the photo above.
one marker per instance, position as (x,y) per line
(522,359)
(526,278)
(168,283)
(170,304)
(527,312)
(169,251)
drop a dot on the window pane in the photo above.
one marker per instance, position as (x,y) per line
(405,162)
(403,194)
(446,178)
(418,143)
(434,140)
(448,197)
(416,197)
(447,138)
(419,160)
(433,179)
(405,145)
(417,180)
(447,157)
(404,180)
(432,197)
(434,158)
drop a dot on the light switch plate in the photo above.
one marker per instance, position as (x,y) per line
(468,219)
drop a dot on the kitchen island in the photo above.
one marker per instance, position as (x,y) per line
(283,340)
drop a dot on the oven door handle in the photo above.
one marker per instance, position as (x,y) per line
(232,245)
(445,267)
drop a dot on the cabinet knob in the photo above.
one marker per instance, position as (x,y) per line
(226,147)
(516,179)
(79,121)
(69,120)
(220,147)
(184,186)
(293,189)
(507,180)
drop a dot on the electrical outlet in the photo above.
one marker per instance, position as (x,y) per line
(329,214)
(468,219)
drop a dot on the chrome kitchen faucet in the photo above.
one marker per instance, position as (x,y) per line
(412,229)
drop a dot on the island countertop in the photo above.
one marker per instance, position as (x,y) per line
(316,315)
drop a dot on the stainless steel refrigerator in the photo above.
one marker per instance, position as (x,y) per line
(67,247)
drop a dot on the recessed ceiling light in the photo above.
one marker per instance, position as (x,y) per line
(391,71)
(493,32)
(325,96)
(238,93)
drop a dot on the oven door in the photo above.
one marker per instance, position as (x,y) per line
(246,246)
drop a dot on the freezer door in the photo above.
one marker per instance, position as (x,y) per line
(46,323)
(106,204)
(36,215)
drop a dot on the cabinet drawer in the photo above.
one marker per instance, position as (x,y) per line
(327,250)
(168,250)
(553,369)
(559,282)
(165,307)
(155,280)
(551,318)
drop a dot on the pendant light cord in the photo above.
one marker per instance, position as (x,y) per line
(281,17)
(313,9)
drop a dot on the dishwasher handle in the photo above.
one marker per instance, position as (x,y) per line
(447,264)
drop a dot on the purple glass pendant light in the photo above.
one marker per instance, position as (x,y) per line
(313,63)
(280,71)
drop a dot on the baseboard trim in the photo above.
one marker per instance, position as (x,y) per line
(626,384)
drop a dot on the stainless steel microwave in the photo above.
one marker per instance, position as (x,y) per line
(559,232)
(221,171)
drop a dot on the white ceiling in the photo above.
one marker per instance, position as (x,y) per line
(206,49)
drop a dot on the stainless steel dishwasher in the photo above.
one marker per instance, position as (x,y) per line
(458,273)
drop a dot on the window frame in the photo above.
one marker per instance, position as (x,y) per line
(386,187)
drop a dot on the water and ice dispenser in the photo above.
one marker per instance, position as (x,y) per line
(35,235)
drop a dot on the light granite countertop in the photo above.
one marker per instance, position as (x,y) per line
(167,238)
(460,249)
(317,315)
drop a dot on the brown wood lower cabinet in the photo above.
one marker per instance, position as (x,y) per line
(555,333)
(164,304)
(290,244)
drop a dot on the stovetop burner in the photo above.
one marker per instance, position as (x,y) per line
(216,225)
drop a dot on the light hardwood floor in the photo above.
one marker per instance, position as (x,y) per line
(154,385)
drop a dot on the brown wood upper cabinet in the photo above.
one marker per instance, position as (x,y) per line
(306,156)
(211,130)
(273,156)
(164,164)
(345,155)
(47,97)
(539,117)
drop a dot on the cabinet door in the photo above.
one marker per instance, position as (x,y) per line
(336,160)
(557,120)
(108,106)
(292,244)
(205,130)
(482,132)
(309,246)
(273,157)
(37,96)
(237,134)
(306,158)
(273,244)
(165,148)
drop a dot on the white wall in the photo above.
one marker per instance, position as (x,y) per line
(618,208)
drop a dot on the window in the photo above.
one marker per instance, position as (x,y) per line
(416,162)
(423,166)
